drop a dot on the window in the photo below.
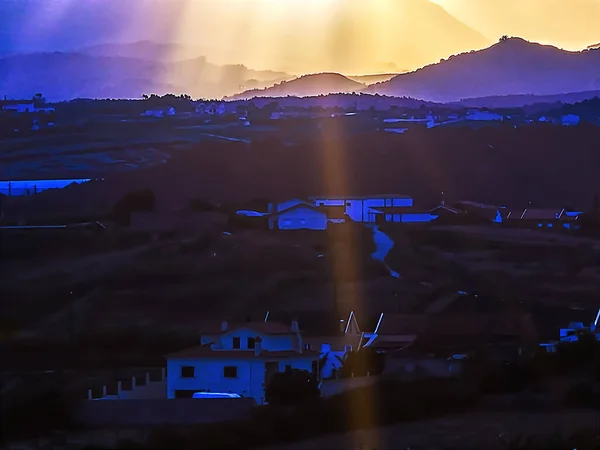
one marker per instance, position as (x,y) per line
(230,372)
(236,342)
(187,372)
(251,343)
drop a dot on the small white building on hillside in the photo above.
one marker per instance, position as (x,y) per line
(19,106)
(569,120)
(301,216)
(362,208)
(484,116)
(160,112)
(239,359)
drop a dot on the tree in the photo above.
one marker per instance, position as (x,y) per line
(504,38)
(291,388)
(137,201)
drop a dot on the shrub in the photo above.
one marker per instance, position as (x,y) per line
(363,362)
(291,388)
(137,201)
(581,395)
(200,204)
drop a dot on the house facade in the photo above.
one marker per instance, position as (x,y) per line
(238,359)
(362,208)
(300,216)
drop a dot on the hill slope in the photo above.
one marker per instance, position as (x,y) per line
(509,67)
(72,75)
(307,86)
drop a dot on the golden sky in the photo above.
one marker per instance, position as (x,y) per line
(302,36)
(362,36)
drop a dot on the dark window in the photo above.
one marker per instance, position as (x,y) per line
(230,372)
(251,342)
(236,342)
(187,372)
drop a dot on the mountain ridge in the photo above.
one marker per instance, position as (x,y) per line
(510,67)
(309,85)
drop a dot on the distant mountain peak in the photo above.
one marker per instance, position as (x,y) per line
(511,66)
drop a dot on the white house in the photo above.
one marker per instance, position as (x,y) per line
(486,116)
(297,215)
(569,120)
(20,106)
(239,359)
(393,214)
(362,208)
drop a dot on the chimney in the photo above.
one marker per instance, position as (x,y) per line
(295,326)
(223,326)
(257,346)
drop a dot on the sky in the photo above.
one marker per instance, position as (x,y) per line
(301,36)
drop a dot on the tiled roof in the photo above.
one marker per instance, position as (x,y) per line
(214,327)
(337,342)
(205,351)
(296,206)
(359,197)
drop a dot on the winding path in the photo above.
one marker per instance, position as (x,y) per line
(383,245)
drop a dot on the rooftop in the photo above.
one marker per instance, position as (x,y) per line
(260,327)
(205,351)
(358,197)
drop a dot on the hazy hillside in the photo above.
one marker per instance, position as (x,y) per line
(375,78)
(516,101)
(148,50)
(307,86)
(509,67)
(63,76)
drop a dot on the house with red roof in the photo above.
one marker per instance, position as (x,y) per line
(239,359)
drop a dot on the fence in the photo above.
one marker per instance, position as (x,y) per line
(145,390)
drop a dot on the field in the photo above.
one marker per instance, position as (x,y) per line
(119,282)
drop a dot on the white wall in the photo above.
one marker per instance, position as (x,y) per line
(208,375)
(416,218)
(359,210)
(21,107)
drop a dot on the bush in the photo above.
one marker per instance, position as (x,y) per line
(506,379)
(581,395)
(38,415)
(200,204)
(137,201)
(291,388)
(363,362)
